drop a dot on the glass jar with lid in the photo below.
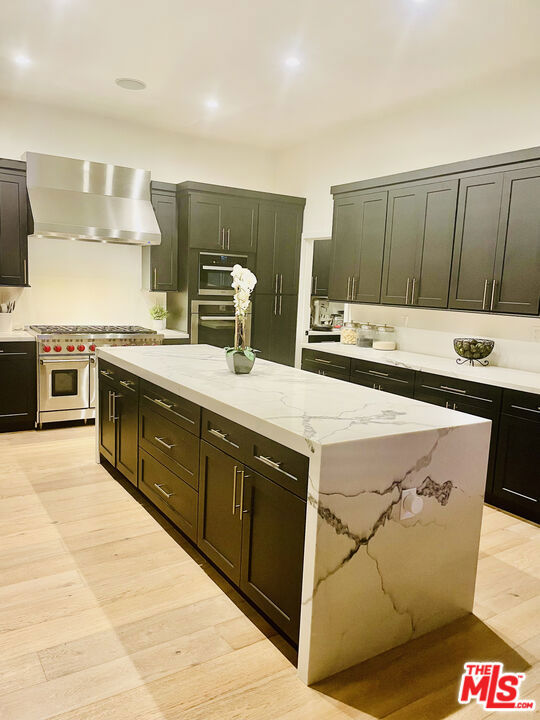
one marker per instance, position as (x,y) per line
(385,338)
(366,335)
(349,333)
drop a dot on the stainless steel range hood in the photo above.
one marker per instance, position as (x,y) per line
(86,200)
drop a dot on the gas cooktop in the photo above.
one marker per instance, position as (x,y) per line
(91,330)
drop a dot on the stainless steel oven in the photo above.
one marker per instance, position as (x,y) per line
(215,272)
(64,384)
(212,323)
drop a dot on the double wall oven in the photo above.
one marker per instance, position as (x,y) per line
(67,366)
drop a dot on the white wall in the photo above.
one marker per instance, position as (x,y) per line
(91,282)
(497,116)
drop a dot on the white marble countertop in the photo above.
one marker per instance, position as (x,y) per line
(174,334)
(15,335)
(291,406)
(490,375)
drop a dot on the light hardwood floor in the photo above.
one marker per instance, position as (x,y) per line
(104,616)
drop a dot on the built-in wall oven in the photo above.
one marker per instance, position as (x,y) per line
(212,323)
(215,272)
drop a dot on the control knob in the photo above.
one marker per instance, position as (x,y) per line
(57,348)
(46,348)
(81,348)
(70,348)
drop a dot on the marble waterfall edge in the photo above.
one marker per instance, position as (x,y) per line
(372,580)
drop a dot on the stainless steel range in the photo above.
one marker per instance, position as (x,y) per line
(67,366)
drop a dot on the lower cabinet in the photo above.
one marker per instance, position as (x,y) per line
(18,392)
(395,380)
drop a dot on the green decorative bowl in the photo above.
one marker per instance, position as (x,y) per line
(473,350)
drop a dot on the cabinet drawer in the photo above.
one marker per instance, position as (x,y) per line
(225,435)
(176,409)
(429,387)
(173,446)
(20,349)
(118,377)
(521,404)
(318,370)
(284,466)
(399,381)
(175,498)
(314,361)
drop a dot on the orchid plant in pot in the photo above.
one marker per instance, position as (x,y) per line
(241,357)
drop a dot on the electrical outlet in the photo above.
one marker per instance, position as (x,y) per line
(536,333)
(411,504)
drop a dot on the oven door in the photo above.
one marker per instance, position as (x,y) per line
(64,383)
(215,272)
(212,323)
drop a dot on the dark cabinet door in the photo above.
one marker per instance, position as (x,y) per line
(477,222)
(345,248)
(13,229)
(402,232)
(127,424)
(107,425)
(516,282)
(283,335)
(278,247)
(17,386)
(261,334)
(431,278)
(366,282)
(164,257)
(517,477)
(320,275)
(219,533)
(205,226)
(239,217)
(273,522)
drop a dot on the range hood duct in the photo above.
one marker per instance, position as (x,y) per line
(84,200)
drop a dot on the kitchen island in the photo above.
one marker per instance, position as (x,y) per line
(393,492)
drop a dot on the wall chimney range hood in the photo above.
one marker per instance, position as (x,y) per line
(84,200)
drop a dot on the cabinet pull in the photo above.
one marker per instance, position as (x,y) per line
(353,288)
(161,441)
(25,268)
(269,461)
(493,294)
(163,404)
(377,372)
(321,360)
(128,384)
(275,304)
(155,278)
(451,389)
(407,291)
(114,416)
(242,511)
(413,289)
(484,298)
(281,283)
(222,436)
(315,285)
(162,491)
(349,288)
(235,470)
(228,238)
(280,300)
(106,374)
(519,407)
(110,406)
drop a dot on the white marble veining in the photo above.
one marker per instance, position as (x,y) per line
(491,375)
(372,579)
(15,336)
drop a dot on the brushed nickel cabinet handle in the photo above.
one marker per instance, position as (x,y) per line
(377,372)
(484,298)
(322,360)
(520,407)
(162,491)
(315,286)
(106,374)
(407,291)
(169,407)
(235,470)
(281,282)
(222,436)
(275,304)
(452,389)
(413,289)
(242,511)
(163,404)
(25,267)
(280,299)
(114,416)
(155,278)
(110,406)
(161,441)
(349,288)
(353,288)
(228,238)
(269,461)
(493,287)
(128,384)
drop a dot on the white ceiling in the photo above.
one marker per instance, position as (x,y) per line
(359,57)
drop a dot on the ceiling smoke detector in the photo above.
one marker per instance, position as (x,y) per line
(130,84)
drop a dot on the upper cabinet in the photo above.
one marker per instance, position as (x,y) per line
(464,236)
(320,274)
(357,247)
(13,225)
(222,222)
(418,245)
(278,247)
(160,262)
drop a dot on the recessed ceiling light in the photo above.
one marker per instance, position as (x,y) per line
(130,84)
(292,61)
(22,60)
(212,103)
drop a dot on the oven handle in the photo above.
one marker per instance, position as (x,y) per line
(46,361)
(216,317)
(217,267)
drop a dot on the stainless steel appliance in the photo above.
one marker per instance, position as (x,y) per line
(215,272)
(212,323)
(67,367)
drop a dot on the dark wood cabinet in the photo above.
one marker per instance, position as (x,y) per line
(160,262)
(107,426)
(13,228)
(357,247)
(395,380)
(17,386)
(278,247)
(127,424)
(274,327)
(320,273)
(239,216)
(418,245)
(516,276)
(219,532)
(324,363)
(273,525)
(222,222)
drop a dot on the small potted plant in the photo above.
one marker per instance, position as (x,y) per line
(241,357)
(159,317)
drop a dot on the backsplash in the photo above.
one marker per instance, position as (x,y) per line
(432,332)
